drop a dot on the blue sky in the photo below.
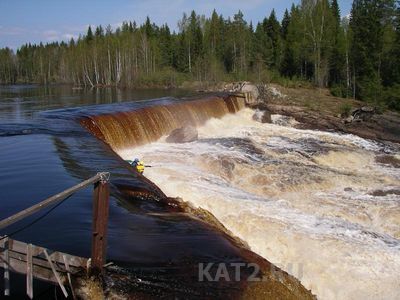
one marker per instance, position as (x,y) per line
(33,21)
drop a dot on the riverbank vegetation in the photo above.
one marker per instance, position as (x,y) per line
(356,56)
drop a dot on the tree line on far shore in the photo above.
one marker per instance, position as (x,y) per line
(356,56)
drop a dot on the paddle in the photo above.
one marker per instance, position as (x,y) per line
(146,166)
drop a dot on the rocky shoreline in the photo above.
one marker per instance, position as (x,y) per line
(383,127)
(316,109)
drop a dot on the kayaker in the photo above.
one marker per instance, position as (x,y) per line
(139,165)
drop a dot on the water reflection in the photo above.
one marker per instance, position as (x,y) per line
(19,103)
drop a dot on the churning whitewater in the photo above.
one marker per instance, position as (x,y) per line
(320,205)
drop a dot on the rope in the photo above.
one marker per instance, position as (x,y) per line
(35,221)
(104,177)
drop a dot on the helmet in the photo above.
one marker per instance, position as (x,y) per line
(136,160)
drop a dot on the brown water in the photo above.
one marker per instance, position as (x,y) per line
(133,128)
(323,206)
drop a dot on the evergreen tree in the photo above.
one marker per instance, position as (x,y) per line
(89,34)
(148,28)
(368,22)
(195,36)
(273,30)
(337,58)
(285,24)
(293,57)
(264,48)
(165,46)
(99,32)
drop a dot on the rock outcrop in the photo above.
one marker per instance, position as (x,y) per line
(256,92)
(364,113)
(184,134)
(377,127)
(262,116)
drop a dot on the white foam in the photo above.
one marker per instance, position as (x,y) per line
(300,198)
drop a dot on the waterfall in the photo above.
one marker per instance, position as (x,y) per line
(129,129)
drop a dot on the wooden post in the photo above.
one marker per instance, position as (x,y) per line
(29,271)
(6,267)
(100,223)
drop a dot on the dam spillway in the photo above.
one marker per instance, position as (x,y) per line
(133,128)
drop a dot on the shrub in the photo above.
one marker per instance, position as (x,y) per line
(392,97)
(293,82)
(345,109)
(338,91)
(166,77)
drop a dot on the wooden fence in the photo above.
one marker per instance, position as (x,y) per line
(53,266)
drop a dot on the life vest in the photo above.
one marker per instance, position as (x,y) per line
(140,167)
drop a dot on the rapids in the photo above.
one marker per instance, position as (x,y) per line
(319,205)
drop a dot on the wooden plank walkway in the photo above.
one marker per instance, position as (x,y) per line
(36,262)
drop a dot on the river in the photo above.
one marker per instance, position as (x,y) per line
(319,205)
(44,150)
(323,206)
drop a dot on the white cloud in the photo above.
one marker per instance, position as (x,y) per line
(76,28)
(51,35)
(69,36)
(12,30)
(116,25)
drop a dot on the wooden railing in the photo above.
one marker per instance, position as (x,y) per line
(35,261)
